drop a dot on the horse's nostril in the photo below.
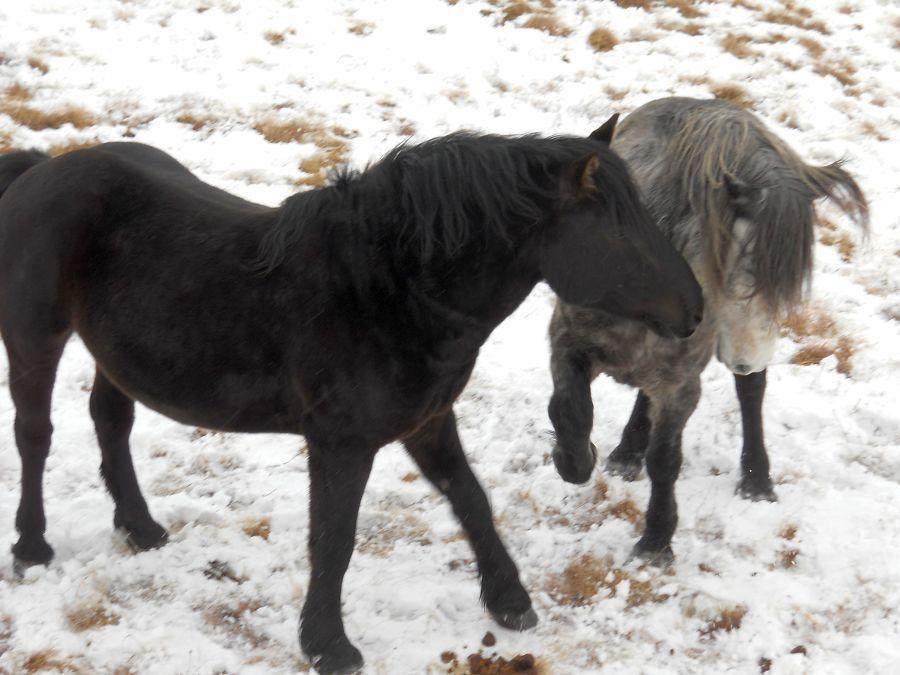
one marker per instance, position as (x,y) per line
(741,369)
(698,317)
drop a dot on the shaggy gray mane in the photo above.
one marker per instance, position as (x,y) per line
(704,163)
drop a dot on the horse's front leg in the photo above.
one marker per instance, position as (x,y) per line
(438,452)
(337,479)
(756,484)
(571,412)
(669,413)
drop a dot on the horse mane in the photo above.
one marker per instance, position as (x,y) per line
(434,198)
(712,143)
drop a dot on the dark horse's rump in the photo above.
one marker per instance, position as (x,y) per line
(352,314)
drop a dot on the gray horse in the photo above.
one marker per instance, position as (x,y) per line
(738,204)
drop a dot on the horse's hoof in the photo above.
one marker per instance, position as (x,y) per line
(514,620)
(338,660)
(29,554)
(756,492)
(654,557)
(147,538)
(627,471)
(574,468)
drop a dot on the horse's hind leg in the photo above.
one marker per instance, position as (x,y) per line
(669,413)
(113,414)
(32,372)
(627,458)
(756,484)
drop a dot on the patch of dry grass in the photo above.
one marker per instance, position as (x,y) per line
(47,660)
(843,71)
(642,4)
(232,619)
(602,40)
(798,16)
(687,8)
(814,354)
(688,28)
(817,332)
(728,620)
(587,576)
(840,240)
(258,527)
(15,104)
(196,121)
(733,93)
(812,46)
(361,28)
(738,45)
(390,529)
(38,64)
(547,23)
(94,615)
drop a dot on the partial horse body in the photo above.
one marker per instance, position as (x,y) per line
(738,204)
(353,314)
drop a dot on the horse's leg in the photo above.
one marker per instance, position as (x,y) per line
(755,481)
(32,372)
(571,412)
(337,479)
(669,413)
(113,414)
(627,458)
(438,452)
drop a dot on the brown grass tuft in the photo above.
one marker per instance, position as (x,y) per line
(732,93)
(813,47)
(548,23)
(789,118)
(602,40)
(871,129)
(626,509)
(361,27)
(689,28)
(729,619)
(273,37)
(46,660)
(585,577)
(642,4)
(795,15)
(814,354)
(93,616)
(787,559)
(410,477)
(810,322)
(36,119)
(841,241)
(615,94)
(38,64)
(391,529)
(738,45)
(17,92)
(687,8)
(514,10)
(788,532)
(258,527)
(195,121)
(844,71)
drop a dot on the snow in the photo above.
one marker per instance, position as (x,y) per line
(431,67)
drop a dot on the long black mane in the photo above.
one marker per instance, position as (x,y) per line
(438,196)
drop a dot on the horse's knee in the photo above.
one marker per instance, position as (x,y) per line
(33,436)
(664,461)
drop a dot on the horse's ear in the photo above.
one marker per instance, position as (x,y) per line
(580,177)
(604,133)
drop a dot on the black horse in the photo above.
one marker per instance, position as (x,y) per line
(353,314)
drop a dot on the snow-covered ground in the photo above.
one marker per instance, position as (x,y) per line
(810,584)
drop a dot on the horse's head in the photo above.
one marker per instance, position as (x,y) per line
(766,259)
(604,251)
(747,324)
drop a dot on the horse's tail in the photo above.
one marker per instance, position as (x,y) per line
(14,164)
